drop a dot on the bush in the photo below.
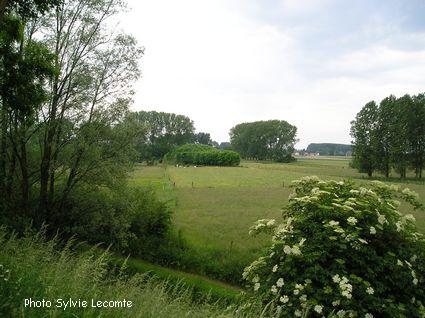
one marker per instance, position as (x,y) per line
(203,155)
(133,220)
(342,250)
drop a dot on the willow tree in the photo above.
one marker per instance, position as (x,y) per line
(78,134)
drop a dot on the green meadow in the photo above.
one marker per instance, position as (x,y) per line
(214,207)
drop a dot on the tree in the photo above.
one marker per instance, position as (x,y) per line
(384,135)
(25,8)
(203,139)
(327,149)
(225,145)
(363,130)
(416,134)
(399,137)
(25,67)
(92,90)
(264,140)
(164,131)
(77,135)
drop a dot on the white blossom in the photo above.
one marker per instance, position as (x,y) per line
(340,313)
(284,299)
(370,290)
(279,282)
(333,223)
(372,230)
(318,309)
(352,220)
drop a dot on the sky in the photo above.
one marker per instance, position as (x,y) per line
(313,63)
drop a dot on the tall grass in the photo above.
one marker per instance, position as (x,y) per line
(32,267)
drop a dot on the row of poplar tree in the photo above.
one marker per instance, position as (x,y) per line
(390,137)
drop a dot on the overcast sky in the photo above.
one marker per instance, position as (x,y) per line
(312,63)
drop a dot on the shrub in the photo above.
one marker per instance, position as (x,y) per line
(342,250)
(203,155)
(133,220)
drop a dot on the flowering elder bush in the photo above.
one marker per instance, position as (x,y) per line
(344,251)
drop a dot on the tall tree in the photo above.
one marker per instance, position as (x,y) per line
(416,134)
(398,131)
(164,131)
(264,140)
(384,134)
(363,130)
(203,139)
(71,130)
(92,89)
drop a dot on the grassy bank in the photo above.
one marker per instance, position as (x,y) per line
(33,268)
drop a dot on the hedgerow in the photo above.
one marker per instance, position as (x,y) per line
(203,155)
(342,250)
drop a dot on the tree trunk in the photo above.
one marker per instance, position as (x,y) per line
(3,149)
(46,160)
(10,175)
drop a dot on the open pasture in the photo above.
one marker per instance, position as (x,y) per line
(215,206)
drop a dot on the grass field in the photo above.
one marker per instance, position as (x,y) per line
(215,206)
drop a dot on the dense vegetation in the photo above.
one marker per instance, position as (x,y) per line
(164,132)
(342,249)
(68,144)
(264,140)
(390,135)
(203,155)
(66,138)
(327,149)
(32,267)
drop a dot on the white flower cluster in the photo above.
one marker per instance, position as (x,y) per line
(283,229)
(352,220)
(260,262)
(345,287)
(295,249)
(4,273)
(261,225)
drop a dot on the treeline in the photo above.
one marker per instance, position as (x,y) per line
(264,140)
(204,155)
(390,136)
(163,132)
(67,138)
(329,149)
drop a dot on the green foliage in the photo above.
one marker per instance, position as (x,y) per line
(32,267)
(326,149)
(164,131)
(133,220)
(203,155)
(390,136)
(26,8)
(264,140)
(342,249)
(203,139)
(362,130)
